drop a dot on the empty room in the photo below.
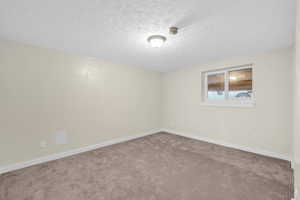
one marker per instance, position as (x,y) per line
(150,100)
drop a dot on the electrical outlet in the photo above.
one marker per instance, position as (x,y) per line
(61,137)
(43,144)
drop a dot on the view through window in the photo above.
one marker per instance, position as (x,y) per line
(229,85)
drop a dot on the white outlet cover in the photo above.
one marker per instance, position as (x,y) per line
(61,137)
(43,144)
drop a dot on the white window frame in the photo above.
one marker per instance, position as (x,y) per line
(226,102)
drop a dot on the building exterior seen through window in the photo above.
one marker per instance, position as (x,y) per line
(232,85)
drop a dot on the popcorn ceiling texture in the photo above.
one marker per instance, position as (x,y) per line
(117,30)
(157,167)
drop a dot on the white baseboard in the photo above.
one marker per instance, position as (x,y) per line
(235,146)
(56,156)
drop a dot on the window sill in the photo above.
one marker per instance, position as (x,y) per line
(228,105)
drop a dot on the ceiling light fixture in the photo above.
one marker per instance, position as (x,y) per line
(157,40)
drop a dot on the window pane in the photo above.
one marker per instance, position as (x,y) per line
(216,86)
(240,84)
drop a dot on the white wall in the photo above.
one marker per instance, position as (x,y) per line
(44,91)
(297,103)
(267,126)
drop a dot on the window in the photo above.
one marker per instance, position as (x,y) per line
(232,86)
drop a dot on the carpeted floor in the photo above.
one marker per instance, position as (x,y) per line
(157,167)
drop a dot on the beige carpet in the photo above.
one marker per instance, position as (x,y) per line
(157,167)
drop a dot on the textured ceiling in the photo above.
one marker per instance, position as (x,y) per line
(116,30)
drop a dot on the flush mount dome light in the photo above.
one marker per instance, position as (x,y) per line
(156,40)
